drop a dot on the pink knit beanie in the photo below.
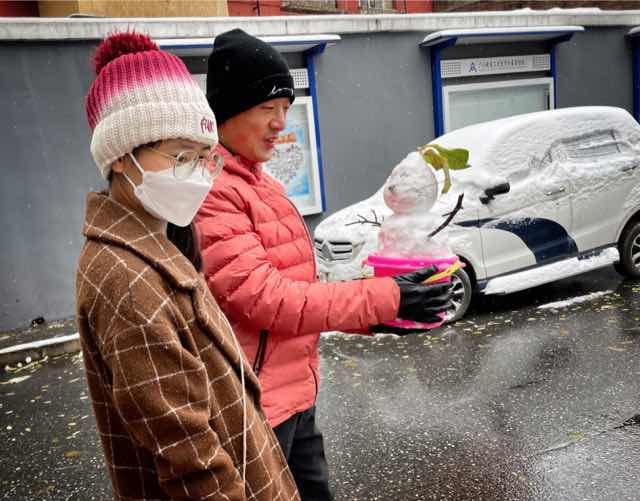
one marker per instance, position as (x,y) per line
(141,95)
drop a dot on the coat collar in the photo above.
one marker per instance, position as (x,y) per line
(240,166)
(111,222)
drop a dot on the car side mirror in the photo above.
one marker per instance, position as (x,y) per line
(491,192)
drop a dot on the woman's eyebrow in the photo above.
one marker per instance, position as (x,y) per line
(187,145)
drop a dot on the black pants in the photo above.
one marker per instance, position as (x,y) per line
(302,444)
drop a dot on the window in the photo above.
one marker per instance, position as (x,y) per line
(595,145)
(468,104)
(375,5)
(592,146)
(310,6)
(536,164)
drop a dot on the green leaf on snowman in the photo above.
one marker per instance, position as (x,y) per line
(445,159)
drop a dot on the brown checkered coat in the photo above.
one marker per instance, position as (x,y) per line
(164,371)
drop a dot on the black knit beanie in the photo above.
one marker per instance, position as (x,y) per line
(243,72)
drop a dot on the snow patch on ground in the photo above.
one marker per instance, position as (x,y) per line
(574,300)
(334,334)
(338,334)
(40,344)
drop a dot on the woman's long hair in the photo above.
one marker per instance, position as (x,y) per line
(186,240)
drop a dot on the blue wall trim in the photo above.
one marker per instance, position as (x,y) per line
(436,84)
(552,64)
(310,55)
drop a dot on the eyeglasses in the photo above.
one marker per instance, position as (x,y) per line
(186,162)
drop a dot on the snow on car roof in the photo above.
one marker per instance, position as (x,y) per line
(505,149)
(499,147)
(483,137)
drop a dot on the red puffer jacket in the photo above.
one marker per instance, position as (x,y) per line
(259,264)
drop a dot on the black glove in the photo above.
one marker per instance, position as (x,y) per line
(422,302)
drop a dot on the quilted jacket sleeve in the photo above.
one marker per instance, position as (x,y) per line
(251,290)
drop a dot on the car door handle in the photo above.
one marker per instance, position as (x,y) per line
(555,192)
(627,168)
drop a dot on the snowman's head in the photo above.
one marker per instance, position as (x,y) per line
(412,186)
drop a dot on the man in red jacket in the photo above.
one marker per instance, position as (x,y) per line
(259,261)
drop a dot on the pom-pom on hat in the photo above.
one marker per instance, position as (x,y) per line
(141,95)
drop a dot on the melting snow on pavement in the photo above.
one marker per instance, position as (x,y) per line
(574,300)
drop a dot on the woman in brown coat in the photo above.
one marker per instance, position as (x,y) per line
(177,406)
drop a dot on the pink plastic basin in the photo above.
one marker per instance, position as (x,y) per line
(384,266)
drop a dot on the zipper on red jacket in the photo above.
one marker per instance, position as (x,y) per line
(315,380)
(315,274)
(262,348)
(309,239)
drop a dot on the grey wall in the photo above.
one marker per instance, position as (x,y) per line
(374,105)
(46,171)
(594,68)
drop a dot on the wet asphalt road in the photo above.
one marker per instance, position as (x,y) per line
(514,402)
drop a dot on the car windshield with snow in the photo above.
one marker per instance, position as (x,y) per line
(549,195)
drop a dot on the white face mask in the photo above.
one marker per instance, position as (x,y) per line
(171,199)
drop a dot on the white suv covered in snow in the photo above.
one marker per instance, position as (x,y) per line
(549,195)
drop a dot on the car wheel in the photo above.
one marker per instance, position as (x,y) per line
(629,247)
(462,291)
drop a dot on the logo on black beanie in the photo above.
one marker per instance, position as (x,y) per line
(280,91)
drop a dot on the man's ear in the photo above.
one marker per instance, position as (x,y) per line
(119,165)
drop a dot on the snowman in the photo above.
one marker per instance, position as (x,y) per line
(411,191)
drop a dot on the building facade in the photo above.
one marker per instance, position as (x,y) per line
(206,8)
